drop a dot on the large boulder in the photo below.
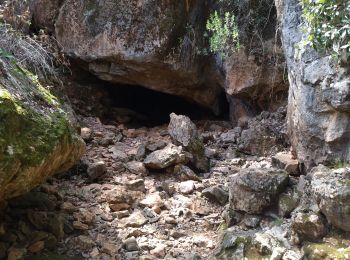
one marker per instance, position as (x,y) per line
(331,190)
(268,243)
(36,137)
(252,190)
(308,226)
(318,103)
(166,157)
(184,132)
(233,244)
(149,43)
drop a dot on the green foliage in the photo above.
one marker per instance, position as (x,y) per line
(224,36)
(328,25)
(339,164)
(277,222)
(5,54)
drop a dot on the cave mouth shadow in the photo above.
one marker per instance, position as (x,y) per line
(137,106)
(152,108)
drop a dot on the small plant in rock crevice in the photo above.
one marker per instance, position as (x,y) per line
(339,164)
(224,35)
(237,23)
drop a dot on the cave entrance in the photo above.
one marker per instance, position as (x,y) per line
(152,107)
(137,106)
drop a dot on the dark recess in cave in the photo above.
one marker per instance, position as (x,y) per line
(157,106)
(145,107)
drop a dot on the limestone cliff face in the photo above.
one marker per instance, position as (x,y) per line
(149,43)
(36,137)
(319,96)
(155,43)
(159,45)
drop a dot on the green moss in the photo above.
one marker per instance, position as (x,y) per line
(43,92)
(277,222)
(231,244)
(6,98)
(339,164)
(252,252)
(29,130)
(223,226)
(318,251)
(287,204)
(28,136)
(347,183)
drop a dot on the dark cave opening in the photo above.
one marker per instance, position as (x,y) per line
(156,107)
(136,106)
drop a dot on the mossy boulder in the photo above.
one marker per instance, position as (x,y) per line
(36,137)
(234,244)
(251,244)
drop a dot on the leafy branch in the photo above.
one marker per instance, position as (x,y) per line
(224,34)
(328,26)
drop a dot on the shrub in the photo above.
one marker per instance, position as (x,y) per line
(328,26)
(224,38)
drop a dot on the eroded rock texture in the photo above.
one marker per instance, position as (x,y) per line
(319,104)
(253,190)
(148,43)
(254,74)
(331,191)
(44,13)
(36,137)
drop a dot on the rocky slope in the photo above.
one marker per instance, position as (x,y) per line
(138,195)
(186,190)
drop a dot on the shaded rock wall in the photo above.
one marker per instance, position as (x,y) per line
(44,13)
(254,76)
(160,45)
(318,103)
(149,43)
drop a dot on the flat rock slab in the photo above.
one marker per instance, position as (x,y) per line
(164,158)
